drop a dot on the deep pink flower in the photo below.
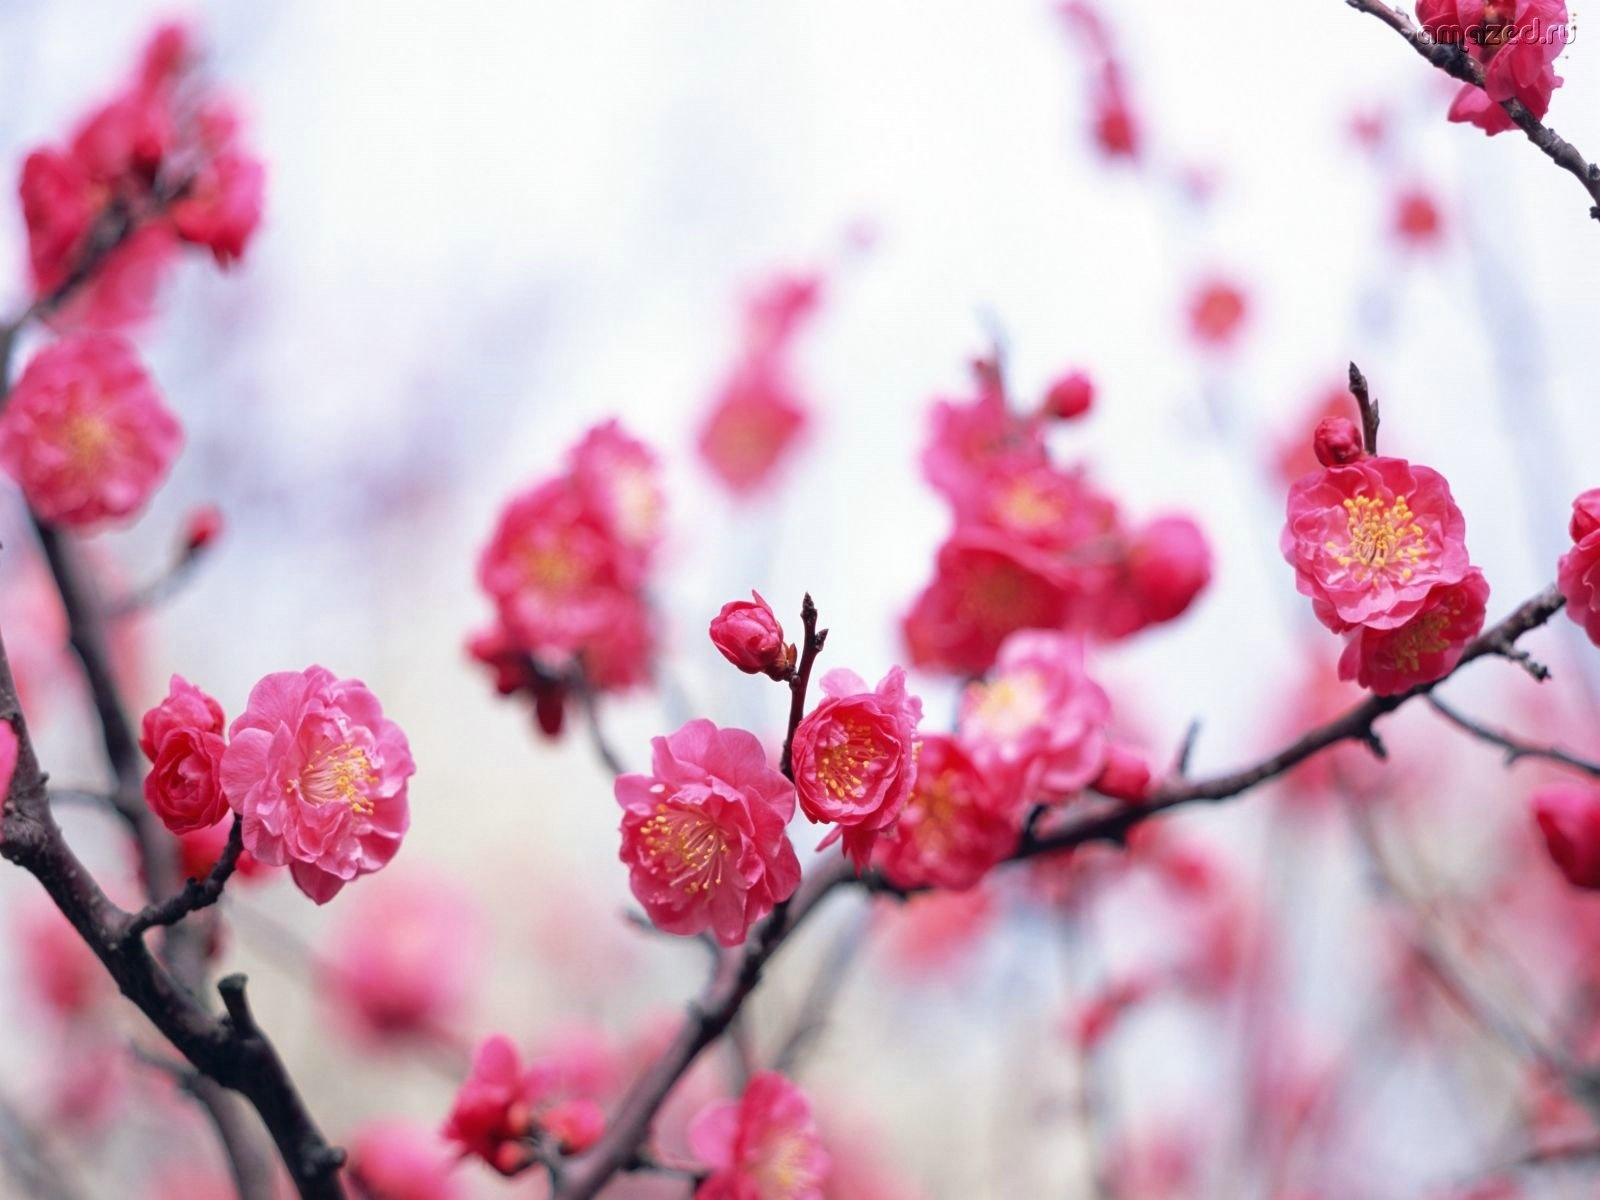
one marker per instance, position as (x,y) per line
(1217,312)
(764,1147)
(406,958)
(492,1116)
(855,758)
(1168,565)
(1426,648)
(59,968)
(703,834)
(748,635)
(1369,541)
(182,736)
(320,776)
(396,1160)
(956,825)
(1069,397)
(972,442)
(1568,814)
(1038,721)
(223,207)
(1417,221)
(1578,573)
(85,433)
(1337,441)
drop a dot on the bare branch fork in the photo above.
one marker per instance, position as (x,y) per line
(1456,62)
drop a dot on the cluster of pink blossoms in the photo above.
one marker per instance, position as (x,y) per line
(759,414)
(313,768)
(1517,43)
(1035,545)
(1379,546)
(163,154)
(566,569)
(1578,573)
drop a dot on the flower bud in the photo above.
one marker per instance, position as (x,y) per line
(1568,815)
(1125,776)
(749,636)
(201,527)
(1069,397)
(1169,565)
(1585,514)
(1338,441)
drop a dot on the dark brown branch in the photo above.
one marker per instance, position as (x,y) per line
(196,893)
(1515,748)
(1456,62)
(1368,407)
(810,646)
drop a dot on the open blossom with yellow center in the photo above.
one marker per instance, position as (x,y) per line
(1369,540)
(85,433)
(762,1147)
(703,835)
(955,827)
(320,777)
(1424,649)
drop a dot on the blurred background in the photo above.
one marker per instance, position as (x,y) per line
(490,226)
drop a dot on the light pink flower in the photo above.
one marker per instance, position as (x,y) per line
(753,426)
(1568,815)
(406,958)
(1578,573)
(703,834)
(320,776)
(1426,648)
(1218,309)
(855,758)
(1369,541)
(182,737)
(748,635)
(955,827)
(973,441)
(396,1160)
(764,1147)
(85,433)
(1069,397)
(1038,722)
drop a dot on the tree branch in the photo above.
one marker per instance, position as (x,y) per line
(1516,749)
(1456,62)
(810,646)
(196,893)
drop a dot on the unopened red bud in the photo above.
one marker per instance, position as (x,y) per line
(1126,776)
(749,636)
(1568,815)
(1337,441)
(1069,397)
(576,1124)
(203,526)
(1585,515)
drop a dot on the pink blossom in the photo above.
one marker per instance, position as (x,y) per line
(1167,566)
(405,961)
(182,736)
(752,427)
(1426,648)
(85,433)
(764,1147)
(954,828)
(1069,397)
(1578,573)
(1295,454)
(223,207)
(1337,440)
(1369,541)
(619,479)
(1038,721)
(1217,312)
(854,758)
(492,1118)
(703,834)
(1568,815)
(748,635)
(1126,775)
(396,1160)
(1516,41)
(320,776)
(1417,221)
(59,968)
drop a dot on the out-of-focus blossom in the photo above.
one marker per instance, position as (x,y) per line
(748,635)
(396,1160)
(1568,815)
(320,777)
(956,825)
(1516,42)
(1114,126)
(1218,309)
(1426,648)
(933,931)
(1126,775)
(1417,221)
(492,1118)
(854,758)
(182,737)
(85,433)
(1069,397)
(703,834)
(764,1147)
(1578,572)
(1337,441)
(1369,541)
(1038,722)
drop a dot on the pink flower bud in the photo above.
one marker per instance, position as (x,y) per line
(749,636)
(1569,817)
(1069,397)
(182,737)
(1338,441)
(576,1124)
(1585,514)
(202,527)
(1125,777)
(1169,566)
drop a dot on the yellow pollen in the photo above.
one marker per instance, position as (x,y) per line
(549,567)
(690,848)
(1384,543)
(781,1170)
(87,438)
(340,774)
(843,765)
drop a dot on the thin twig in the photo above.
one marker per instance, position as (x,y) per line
(1368,407)
(810,646)
(1515,748)
(197,893)
(1456,62)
